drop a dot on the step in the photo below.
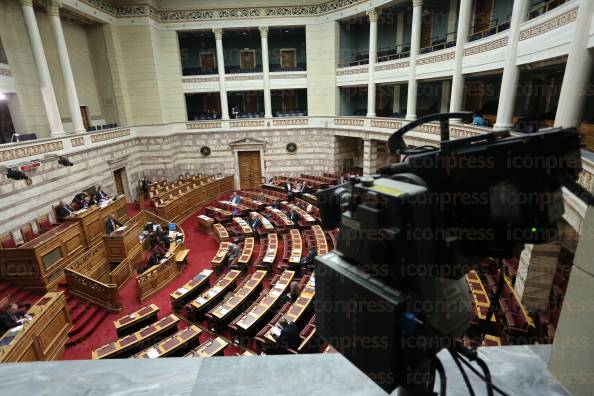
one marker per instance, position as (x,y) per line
(83,320)
(99,316)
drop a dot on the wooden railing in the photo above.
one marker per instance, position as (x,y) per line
(157,277)
(106,296)
(121,273)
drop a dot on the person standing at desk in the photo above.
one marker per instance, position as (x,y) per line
(64,210)
(144,186)
(256,223)
(111,223)
(293,216)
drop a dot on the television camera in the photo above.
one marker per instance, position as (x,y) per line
(392,294)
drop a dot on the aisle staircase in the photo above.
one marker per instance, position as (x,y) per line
(86,317)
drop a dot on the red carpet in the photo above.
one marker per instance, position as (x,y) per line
(202,249)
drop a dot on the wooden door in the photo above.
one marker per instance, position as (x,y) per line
(483,11)
(288,58)
(290,101)
(426,29)
(84,112)
(119,181)
(250,170)
(247,59)
(207,61)
(250,102)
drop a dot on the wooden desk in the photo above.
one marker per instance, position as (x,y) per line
(38,265)
(218,214)
(220,232)
(280,217)
(187,199)
(92,220)
(246,322)
(221,287)
(176,345)
(136,320)
(223,311)
(321,242)
(271,249)
(204,223)
(305,217)
(221,254)
(246,230)
(42,338)
(252,204)
(127,346)
(300,305)
(209,348)
(228,205)
(125,243)
(296,246)
(192,288)
(246,253)
(266,224)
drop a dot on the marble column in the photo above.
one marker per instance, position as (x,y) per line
(266,72)
(218,32)
(577,71)
(457,89)
(399,32)
(369,158)
(372,14)
(452,16)
(45,80)
(536,270)
(511,72)
(53,10)
(415,44)
(396,99)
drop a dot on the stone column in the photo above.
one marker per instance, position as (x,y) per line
(461,38)
(452,16)
(445,95)
(399,31)
(396,99)
(415,44)
(45,80)
(53,10)
(577,71)
(367,157)
(572,355)
(511,72)
(218,32)
(373,14)
(266,72)
(536,271)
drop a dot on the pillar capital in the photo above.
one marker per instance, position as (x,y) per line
(417,3)
(52,6)
(373,14)
(218,32)
(263,31)
(28,3)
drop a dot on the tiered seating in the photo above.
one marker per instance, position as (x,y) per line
(232,303)
(136,320)
(220,215)
(242,228)
(305,217)
(220,288)
(253,204)
(266,226)
(229,206)
(220,232)
(310,342)
(221,254)
(480,299)
(205,223)
(209,348)
(246,322)
(280,220)
(246,253)
(188,291)
(296,247)
(516,317)
(176,345)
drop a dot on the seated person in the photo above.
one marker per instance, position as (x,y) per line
(255,224)
(111,224)
(297,187)
(64,210)
(293,216)
(304,189)
(236,199)
(277,204)
(100,195)
(155,259)
(287,186)
(144,186)
(12,316)
(308,261)
(289,334)
(79,199)
(234,252)
(160,248)
(234,212)
(292,295)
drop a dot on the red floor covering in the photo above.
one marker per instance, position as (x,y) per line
(202,249)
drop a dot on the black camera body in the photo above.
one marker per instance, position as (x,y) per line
(393,293)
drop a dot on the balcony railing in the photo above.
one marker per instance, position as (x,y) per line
(279,68)
(239,69)
(544,6)
(440,43)
(494,28)
(198,71)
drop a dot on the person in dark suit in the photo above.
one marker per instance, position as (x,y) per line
(308,261)
(155,259)
(79,199)
(234,252)
(100,195)
(64,210)
(294,216)
(11,317)
(111,223)
(144,186)
(277,204)
(256,223)
(292,296)
(287,186)
(304,189)
(236,199)
(289,334)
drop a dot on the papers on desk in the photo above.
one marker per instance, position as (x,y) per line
(132,315)
(212,293)
(216,289)
(201,301)
(275,331)
(223,310)
(122,228)
(152,353)
(274,293)
(182,290)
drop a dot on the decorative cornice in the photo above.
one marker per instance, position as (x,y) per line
(246,77)
(78,141)
(436,58)
(284,76)
(349,72)
(263,31)
(30,151)
(247,124)
(392,66)
(349,121)
(218,32)
(52,7)
(145,10)
(100,137)
(203,125)
(290,121)
(548,25)
(373,14)
(194,80)
(477,49)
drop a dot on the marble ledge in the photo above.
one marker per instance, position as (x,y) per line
(519,370)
